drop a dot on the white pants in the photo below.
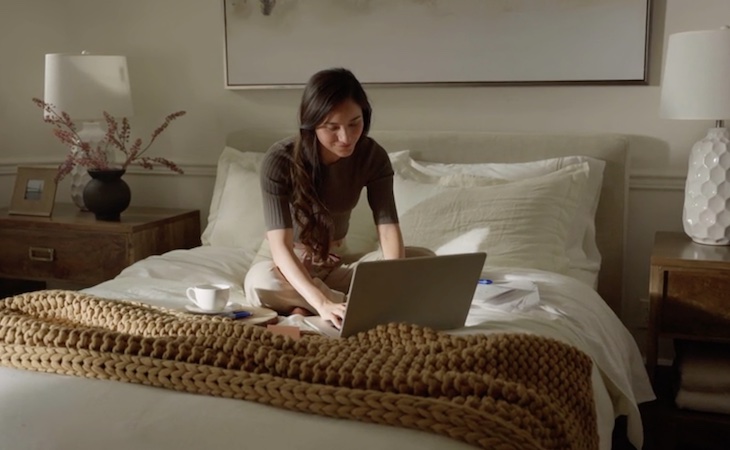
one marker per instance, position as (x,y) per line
(266,286)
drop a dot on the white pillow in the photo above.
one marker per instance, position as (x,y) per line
(410,186)
(585,258)
(236,210)
(236,216)
(524,223)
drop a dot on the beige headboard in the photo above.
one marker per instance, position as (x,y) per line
(473,147)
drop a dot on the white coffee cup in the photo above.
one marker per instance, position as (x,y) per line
(209,297)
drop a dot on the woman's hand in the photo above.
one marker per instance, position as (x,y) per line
(327,303)
(330,305)
(334,312)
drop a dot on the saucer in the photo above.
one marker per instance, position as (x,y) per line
(258,314)
(196,310)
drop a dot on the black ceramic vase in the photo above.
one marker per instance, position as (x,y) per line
(106,194)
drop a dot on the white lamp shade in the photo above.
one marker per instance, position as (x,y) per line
(84,85)
(696,77)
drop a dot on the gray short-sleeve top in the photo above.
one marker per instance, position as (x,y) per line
(342,182)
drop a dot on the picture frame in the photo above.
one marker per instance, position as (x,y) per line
(34,193)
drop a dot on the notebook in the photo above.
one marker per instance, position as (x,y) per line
(431,291)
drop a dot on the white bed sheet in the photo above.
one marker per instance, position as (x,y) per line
(43,411)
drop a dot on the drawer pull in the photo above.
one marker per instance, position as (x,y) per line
(40,254)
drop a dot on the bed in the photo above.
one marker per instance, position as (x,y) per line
(550,211)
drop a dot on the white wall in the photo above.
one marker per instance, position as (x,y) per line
(175,53)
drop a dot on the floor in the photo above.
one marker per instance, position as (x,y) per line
(669,428)
(15,287)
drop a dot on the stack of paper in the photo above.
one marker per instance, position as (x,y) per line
(507,295)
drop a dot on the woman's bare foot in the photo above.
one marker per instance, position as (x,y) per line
(301,311)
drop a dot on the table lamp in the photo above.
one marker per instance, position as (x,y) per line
(84,86)
(696,85)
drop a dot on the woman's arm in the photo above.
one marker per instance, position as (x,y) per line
(382,202)
(391,241)
(281,243)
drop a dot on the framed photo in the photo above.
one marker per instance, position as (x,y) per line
(35,191)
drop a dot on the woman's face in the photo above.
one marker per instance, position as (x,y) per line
(339,132)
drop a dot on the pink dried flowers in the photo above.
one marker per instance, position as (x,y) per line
(117,137)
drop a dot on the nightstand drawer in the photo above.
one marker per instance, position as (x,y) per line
(73,247)
(79,257)
(697,304)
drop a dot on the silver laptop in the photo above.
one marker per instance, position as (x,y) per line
(431,291)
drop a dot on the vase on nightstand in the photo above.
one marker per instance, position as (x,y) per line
(106,194)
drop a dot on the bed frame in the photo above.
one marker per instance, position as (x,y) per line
(475,147)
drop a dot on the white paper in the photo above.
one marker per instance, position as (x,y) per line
(507,295)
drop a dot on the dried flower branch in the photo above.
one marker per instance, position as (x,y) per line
(116,137)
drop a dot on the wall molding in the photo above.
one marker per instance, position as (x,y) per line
(656,181)
(638,181)
(9,168)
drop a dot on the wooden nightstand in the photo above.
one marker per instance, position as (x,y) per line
(71,246)
(689,287)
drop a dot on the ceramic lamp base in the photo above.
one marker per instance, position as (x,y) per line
(706,214)
(79,178)
(93,133)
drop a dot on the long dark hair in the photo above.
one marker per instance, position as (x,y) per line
(324,91)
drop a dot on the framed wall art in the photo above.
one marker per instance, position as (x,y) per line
(35,191)
(280,43)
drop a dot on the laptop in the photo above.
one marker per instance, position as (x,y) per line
(431,291)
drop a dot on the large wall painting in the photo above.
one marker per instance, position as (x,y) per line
(280,43)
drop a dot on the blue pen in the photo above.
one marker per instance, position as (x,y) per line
(237,314)
(484,281)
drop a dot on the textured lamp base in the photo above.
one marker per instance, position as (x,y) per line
(79,178)
(706,215)
(93,133)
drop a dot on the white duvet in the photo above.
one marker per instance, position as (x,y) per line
(44,411)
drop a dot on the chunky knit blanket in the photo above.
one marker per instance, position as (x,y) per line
(498,391)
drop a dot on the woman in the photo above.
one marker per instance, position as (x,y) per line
(310,184)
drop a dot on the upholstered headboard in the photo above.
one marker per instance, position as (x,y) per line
(474,147)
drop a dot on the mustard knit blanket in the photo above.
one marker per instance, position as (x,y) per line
(500,391)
